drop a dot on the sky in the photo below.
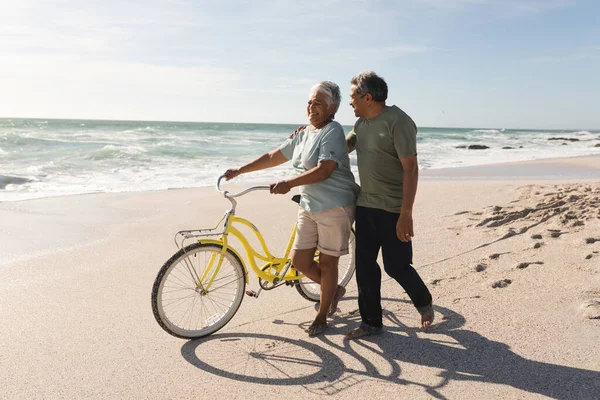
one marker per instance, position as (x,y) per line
(448,63)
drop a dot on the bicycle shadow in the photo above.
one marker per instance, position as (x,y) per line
(463,355)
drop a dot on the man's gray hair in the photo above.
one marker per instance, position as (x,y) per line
(370,82)
(331,92)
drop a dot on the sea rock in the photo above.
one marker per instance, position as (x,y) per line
(478,147)
(565,139)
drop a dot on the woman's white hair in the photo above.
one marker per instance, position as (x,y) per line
(331,92)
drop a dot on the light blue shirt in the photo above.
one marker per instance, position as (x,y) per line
(306,150)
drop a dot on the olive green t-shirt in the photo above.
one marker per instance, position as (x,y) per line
(380,143)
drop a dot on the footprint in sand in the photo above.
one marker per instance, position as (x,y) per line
(524,265)
(496,256)
(592,240)
(538,245)
(511,232)
(589,256)
(556,234)
(591,309)
(501,283)
(536,236)
(480,267)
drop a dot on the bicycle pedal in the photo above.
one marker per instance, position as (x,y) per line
(251,293)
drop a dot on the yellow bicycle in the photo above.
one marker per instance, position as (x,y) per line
(200,288)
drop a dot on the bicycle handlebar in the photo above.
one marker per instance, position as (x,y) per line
(243,192)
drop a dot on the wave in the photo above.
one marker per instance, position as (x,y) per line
(118,152)
(487,131)
(12,180)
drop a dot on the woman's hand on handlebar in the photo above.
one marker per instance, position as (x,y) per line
(231,173)
(281,187)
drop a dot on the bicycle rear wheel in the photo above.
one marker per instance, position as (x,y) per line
(184,308)
(312,291)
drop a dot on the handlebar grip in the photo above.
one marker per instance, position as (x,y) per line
(219,184)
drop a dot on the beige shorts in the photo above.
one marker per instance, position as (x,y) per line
(328,231)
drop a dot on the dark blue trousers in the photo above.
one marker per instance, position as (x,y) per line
(375,230)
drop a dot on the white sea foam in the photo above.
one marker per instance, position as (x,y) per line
(109,156)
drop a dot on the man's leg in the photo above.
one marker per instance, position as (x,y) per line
(368,274)
(397,261)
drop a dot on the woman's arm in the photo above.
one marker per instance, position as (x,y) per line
(322,171)
(267,160)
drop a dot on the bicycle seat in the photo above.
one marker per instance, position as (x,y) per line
(296,198)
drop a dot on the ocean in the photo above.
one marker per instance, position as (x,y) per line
(47,157)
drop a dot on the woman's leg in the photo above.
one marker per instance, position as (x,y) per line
(305,245)
(334,227)
(329,278)
(304,261)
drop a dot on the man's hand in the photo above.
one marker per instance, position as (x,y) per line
(297,131)
(281,187)
(231,173)
(404,227)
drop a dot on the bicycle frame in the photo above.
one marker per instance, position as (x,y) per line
(272,262)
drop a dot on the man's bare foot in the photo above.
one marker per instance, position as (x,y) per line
(339,293)
(427,316)
(316,328)
(360,332)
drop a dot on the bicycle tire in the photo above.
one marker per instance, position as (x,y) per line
(311,291)
(215,309)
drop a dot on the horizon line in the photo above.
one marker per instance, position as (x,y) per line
(280,123)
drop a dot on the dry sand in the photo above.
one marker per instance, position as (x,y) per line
(513,265)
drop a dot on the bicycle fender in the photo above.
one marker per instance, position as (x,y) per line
(235,253)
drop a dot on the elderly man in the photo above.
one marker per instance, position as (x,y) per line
(386,145)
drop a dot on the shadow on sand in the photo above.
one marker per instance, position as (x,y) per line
(462,355)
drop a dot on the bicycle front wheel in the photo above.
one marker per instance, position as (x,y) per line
(182,303)
(312,291)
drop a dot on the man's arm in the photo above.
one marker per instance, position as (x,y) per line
(351,141)
(404,227)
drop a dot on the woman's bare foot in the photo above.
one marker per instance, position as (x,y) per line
(339,293)
(427,316)
(316,328)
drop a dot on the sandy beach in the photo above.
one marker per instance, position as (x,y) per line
(510,252)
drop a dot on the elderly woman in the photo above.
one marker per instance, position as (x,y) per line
(328,194)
